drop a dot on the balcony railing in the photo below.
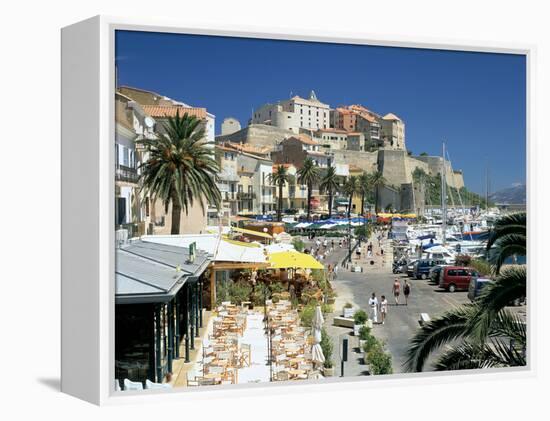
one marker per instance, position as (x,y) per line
(246,196)
(126,174)
(229,196)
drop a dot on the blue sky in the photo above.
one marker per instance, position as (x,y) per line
(473,101)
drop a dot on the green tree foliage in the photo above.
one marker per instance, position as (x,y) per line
(330,184)
(328,348)
(181,170)
(279,178)
(308,175)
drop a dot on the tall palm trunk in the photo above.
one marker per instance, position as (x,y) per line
(362,203)
(376,209)
(349,205)
(280,202)
(309,188)
(176,214)
(330,204)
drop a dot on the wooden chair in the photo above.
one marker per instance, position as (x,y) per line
(282,376)
(192,378)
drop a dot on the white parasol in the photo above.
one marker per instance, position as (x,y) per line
(316,325)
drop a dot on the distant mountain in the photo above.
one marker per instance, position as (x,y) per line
(512,195)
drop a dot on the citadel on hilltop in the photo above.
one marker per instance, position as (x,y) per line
(351,137)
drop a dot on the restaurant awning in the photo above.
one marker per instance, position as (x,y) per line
(252,232)
(293,259)
(153,273)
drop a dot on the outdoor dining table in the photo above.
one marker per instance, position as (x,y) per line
(294,372)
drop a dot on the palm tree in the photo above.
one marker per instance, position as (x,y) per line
(308,174)
(377,181)
(483,334)
(507,238)
(180,169)
(365,186)
(350,188)
(329,183)
(279,177)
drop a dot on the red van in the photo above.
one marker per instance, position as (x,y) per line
(454,278)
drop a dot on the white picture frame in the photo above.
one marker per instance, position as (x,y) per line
(88,210)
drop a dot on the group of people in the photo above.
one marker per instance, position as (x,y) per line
(381,306)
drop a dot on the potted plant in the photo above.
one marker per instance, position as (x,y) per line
(359,319)
(364,334)
(348,310)
(379,361)
(368,345)
(328,348)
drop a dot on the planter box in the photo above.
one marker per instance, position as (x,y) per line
(361,344)
(356,329)
(348,312)
(328,372)
(343,322)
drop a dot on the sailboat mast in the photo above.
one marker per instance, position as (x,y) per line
(444,198)
(487,188)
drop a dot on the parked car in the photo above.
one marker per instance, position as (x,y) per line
(410,268)
(455,278)
(422,267)
(476,285)
(435,272)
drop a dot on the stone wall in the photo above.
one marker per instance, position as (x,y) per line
(393,164)
(367,161)
(257,135)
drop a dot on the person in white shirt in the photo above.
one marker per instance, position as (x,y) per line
(383,308)
(373,308)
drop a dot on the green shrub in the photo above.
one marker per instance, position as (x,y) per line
(306,315)
(259,294)
(327,308)
(327,347)
(363,231)
(370,343)
(348,305)
(320,278)
(239,291)
(276,287)
(360,317)
(379,361)
(364,333)
(298,244)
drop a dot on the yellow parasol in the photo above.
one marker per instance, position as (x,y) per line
(293,259)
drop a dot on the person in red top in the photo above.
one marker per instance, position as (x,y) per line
(396,290)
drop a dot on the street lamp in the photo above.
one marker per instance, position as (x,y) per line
(349,238)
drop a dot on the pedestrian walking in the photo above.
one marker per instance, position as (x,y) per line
(396,290)
(335,270)
(383,308)
(406,291)
(373,308)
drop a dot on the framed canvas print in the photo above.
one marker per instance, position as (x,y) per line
(245,211)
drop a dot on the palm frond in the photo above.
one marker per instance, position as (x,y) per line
(510,285)
(450,326)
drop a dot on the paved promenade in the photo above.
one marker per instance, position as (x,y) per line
(401,322)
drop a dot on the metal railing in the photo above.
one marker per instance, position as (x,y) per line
(127,174)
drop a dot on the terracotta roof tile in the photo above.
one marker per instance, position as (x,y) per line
(304,139)
(164,111)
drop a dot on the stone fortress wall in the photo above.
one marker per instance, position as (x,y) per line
(396,165)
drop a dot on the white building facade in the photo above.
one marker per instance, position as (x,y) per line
(294,114)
